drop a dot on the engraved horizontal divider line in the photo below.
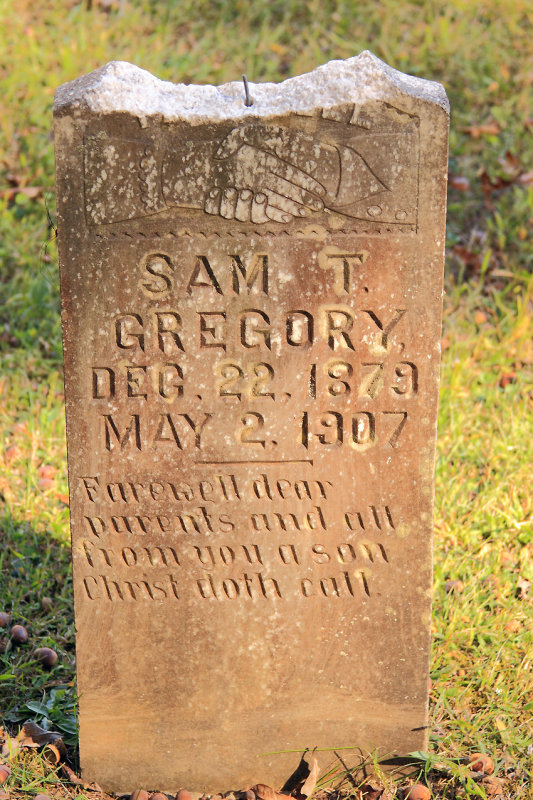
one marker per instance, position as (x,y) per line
(252,232)
(262,461)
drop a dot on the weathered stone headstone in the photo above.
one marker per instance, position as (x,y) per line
(251,310)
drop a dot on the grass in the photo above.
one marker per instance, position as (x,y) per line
(482,679)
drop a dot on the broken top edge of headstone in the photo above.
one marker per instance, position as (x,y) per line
(123,87)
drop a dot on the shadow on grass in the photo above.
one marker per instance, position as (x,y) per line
(36,592)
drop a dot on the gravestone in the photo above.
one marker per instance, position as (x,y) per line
(251,301)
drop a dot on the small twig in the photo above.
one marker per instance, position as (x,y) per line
(348,771)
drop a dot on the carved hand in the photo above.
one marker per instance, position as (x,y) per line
(263,172)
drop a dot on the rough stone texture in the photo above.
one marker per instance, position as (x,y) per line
(251,310)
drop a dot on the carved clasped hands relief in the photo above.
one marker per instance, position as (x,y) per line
(262,173)
(255,174)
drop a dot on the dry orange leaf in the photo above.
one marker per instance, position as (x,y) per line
(70,775)
(264,792)
(526,178)
(46,471)
(506,379)
(12,453)
(459,182)
(489,128)
(493,786)
(513,626)
(28,191)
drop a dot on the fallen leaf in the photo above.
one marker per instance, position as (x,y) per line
(459,182)
(469,258)
(523,587)
(10,747)
(490,185)
(264,792)
(526,178)
(46,471)
(480,317)
(493,786)
(32,735)
(510,164)
(12,453)
(454,586)
(371,791)
(309,784)
(70,775)
(500,724)
(506,379)
(513,626)
(28,191)
(298,777)
(489,128)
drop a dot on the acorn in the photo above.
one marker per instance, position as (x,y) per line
(5,772)
(4,619)
(481,762)
(158,796)
(19,634)
(139,794)
(418,792)
(183,794)
(46,656)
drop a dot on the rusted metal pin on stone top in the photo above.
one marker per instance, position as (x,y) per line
(248,101)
